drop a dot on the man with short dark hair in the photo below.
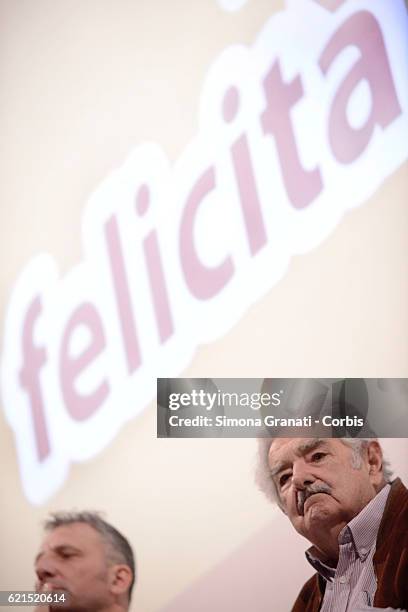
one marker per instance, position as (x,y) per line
(88,561)
(338,494)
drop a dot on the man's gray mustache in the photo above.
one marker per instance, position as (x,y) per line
(302,495)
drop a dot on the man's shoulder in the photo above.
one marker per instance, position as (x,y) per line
(391,556)
(395,514)
(399,492)
(309,596)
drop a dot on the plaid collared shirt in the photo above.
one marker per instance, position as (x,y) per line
(352,584)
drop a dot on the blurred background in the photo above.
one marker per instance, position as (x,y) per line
(84,85)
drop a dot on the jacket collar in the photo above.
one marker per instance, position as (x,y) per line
(395,503)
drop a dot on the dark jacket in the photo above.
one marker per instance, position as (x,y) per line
(390,559)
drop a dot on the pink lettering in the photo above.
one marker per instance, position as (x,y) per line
(82,406)
(244,174)
(157,280)
(204,282)
(123,300)
(34,357)
(361,30)
(302,186)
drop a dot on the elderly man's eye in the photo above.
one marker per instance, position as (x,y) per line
(318,456)
(283,479)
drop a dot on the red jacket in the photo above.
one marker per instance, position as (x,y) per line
(390,559)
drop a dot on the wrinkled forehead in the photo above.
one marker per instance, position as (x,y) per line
(294,445)
(286,449)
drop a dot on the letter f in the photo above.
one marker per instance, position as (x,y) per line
(34,358)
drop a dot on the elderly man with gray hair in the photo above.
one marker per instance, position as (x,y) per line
(338,493)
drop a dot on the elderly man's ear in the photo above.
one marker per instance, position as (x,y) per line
(375,464)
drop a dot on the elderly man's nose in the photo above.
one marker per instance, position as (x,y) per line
(302,477)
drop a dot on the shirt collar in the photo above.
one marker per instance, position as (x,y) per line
(361,531)
(364,527)
(324,570)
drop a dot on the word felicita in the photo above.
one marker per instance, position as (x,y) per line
(293,131)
